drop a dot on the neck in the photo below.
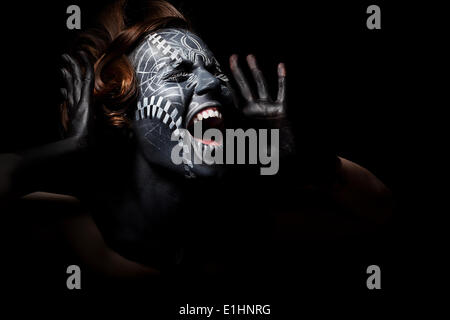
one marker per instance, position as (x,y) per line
(156,188)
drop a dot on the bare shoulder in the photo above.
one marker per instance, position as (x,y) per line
(362,193)
(350,171)
(82,235)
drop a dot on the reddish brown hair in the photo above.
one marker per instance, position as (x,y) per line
(122,25)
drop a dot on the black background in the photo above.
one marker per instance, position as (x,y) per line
(359,91)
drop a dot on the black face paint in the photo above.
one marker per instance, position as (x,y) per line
(179,82)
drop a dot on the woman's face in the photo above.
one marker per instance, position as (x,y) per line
(180,83)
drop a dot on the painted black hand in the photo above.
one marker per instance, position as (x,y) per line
(78,94)
(261,106)
(45,168)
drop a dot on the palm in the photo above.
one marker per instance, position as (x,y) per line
(263,109)
(78,95)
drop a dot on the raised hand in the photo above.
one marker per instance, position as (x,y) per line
(261,106)
(78,94)
(39,168)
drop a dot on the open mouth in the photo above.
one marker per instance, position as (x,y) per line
(207,118)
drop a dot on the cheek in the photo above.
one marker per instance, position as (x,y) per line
(178,98)
(160,114)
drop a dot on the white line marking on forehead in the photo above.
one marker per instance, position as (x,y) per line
(174,55)
(161,45)
(164,47)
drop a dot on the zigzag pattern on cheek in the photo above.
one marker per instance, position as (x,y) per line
(153,109)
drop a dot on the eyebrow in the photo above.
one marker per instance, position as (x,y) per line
(186,64)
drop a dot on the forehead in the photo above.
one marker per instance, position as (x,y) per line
(178,45)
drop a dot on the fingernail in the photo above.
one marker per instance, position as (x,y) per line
(233,61)
(251,60)
(281,70)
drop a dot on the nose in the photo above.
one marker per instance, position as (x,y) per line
(206,82)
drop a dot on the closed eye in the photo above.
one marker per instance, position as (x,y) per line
(215,70)
(179,76)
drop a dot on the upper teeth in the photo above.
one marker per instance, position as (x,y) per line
(207,113)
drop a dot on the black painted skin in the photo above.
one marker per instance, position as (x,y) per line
(149,211)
